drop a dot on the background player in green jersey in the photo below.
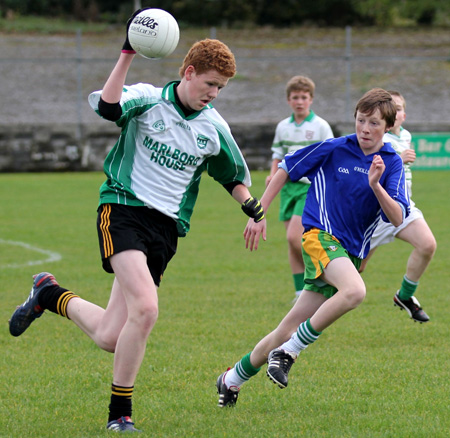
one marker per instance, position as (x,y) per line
(301,129)
(414,228)
(169,137)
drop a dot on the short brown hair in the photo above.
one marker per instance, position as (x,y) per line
(300,83)
(377,98)
(208,55)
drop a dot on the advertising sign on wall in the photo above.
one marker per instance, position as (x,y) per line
(432,150)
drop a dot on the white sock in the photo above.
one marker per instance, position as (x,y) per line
(293,346)
(300,339)
(232,378)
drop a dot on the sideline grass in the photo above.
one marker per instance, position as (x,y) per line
(373,374)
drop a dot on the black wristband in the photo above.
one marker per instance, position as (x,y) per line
(127,46)
(253,208)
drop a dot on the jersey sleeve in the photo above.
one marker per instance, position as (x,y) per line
(278,150)
(307,161)
(326,131)
(229,165)
(135,100)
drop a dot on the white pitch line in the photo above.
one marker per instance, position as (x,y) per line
(52,256)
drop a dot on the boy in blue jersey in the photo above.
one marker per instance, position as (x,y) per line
(355,180)
(169,137)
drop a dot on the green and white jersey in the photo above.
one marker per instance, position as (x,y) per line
(401,143)
(161,154)
(291,136)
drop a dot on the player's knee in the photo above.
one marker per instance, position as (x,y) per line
(429,248)
(145,316)
(354,296)
(294,240)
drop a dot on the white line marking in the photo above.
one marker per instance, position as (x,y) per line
(51,255)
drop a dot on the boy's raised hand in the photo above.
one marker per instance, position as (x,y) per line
(376,170)
(126,48)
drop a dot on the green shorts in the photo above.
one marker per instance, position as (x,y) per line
(292,199)
(318,249)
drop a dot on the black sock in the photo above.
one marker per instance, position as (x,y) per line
(120,405)
(55,299)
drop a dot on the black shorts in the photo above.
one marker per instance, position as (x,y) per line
(122,227)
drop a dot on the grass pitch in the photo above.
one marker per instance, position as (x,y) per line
(374,373)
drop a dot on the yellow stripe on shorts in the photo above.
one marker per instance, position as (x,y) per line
(313,247)
(105,222)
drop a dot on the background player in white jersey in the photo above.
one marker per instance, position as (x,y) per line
(414,228)
(169,137)
(354,179)
(301,129)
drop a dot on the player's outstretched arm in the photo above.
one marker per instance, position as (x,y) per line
(254,230)
(273,170)
(112,90)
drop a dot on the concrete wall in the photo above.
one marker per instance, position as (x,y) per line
(25,148)
(71,148)
(54,148)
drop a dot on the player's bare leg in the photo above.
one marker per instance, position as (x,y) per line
(294,231)
(364,262)
(103,326)
(311,309)
(123,327)
(141,298)
(304,308)
(322,312)
(419,235)
(340,273)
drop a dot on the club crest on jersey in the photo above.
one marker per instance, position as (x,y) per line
(159,125)
(332,248)
(309,135)
(202,141)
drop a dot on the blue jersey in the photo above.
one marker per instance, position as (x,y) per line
(340,200)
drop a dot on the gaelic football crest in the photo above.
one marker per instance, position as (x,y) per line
(159,125)
(202,141)
(309,135)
